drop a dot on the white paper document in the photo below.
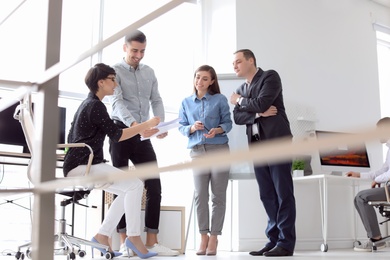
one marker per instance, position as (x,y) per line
(164,127)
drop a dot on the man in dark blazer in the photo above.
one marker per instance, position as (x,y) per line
(259,105)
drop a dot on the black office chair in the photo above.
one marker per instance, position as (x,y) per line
(68,244)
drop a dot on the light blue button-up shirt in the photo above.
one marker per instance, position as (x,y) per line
(213,111)
(137,90)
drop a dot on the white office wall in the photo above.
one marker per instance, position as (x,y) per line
(325,54)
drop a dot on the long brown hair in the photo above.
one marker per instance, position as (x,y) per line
(213,88)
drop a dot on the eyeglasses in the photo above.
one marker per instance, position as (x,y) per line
(112,78)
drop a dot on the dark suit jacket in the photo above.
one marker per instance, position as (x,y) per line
(265,90)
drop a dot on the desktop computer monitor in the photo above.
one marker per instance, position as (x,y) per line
(11,132)
(343,158)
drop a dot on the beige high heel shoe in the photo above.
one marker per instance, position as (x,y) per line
(202,249)
(212,251)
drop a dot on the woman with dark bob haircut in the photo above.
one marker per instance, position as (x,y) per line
(90,125)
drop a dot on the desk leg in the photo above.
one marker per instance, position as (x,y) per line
(354,214)
(355,191)
(231,215)
(189,222)
(324,212)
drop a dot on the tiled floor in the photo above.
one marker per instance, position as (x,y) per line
(345,254)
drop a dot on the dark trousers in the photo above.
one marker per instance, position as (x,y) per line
(277,195)
(140,152)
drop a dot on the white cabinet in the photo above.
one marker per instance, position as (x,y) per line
(172,227)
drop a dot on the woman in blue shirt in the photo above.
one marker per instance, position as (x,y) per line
(205,120)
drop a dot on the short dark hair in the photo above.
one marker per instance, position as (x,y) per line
(137,36)
(248,54)
(383,121)
(213,88)
(96,73)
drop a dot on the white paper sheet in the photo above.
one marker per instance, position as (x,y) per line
(164,127)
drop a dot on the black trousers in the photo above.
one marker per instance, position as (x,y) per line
(139,152)
(276,190)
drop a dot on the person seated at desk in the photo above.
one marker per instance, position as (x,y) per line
(90,125)
(367,212)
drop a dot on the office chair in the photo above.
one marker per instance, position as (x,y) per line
(384,210)
(69,245)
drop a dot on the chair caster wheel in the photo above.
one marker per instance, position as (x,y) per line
(19,255)
(71,256)
(82,253)
(28,253)
(109,255)
(324,247)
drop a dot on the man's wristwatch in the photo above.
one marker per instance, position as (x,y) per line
(238,100)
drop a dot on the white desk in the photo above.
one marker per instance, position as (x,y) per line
(14,158)
(23,159)
(323,182)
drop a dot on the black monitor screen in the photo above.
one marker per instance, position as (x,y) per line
(10,129)
(11,132)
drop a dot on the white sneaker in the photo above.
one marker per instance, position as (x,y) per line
(123,250)
(162,250)
(367,246)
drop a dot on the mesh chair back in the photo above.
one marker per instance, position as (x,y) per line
(24,114)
